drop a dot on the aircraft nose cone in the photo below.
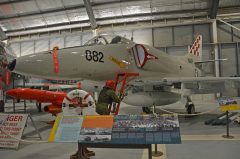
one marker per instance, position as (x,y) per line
(12,65)
(11,93)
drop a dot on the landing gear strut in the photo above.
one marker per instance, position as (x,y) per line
(190,107)
(39,107)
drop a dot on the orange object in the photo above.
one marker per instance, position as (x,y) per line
(55,59)
(53,109)
(122,82)
(41,96)
(7,77)
(101,121)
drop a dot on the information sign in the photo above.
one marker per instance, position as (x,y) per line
(66,129)
(11,125)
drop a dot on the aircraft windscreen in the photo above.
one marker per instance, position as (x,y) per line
(107,39)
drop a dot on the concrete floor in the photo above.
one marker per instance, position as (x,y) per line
(198,140)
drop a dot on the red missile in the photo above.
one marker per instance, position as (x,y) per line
(53,109)
(41,96)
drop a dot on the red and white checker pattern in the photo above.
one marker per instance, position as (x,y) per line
(196,47)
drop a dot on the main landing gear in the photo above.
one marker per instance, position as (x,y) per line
(190,107)
(39,106)
(147,110)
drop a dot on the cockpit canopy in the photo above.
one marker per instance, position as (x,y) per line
(107,39)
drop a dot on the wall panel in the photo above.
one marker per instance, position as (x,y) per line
(224,33)
(207,53)
(71,41)
(85,37)
(162,37)
(204,30)
(27,48)
(57,42)
(143,36)
(16,49)
(183,35)
(236,33)
(41,45)
(228,68)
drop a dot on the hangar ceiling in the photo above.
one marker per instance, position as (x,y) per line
(19,17)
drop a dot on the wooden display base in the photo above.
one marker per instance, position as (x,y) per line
(228,136)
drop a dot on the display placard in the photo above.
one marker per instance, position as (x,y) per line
(228,104)
(119,129)
(146,129)
(11,125)
(66,129)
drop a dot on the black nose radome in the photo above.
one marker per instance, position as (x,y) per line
(12,65)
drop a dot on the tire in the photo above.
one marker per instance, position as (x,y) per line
(191,109)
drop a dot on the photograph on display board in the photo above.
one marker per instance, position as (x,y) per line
(144,129)
(96,129)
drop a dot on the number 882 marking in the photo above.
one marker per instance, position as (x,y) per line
(94,56)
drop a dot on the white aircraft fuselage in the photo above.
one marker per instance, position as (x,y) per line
(102,62)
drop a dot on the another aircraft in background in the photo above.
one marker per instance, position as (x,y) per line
(105,57)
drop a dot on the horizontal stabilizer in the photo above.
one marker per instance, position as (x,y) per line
(210,61)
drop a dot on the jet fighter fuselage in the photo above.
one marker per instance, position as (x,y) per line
(101,60)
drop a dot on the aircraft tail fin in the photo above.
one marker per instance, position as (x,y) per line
(195,52)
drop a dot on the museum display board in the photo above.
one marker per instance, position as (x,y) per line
(120,129)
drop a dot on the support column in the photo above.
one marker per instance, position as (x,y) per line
(216,52)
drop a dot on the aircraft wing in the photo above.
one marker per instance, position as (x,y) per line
(172,80)
(194,85)
(204,85)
